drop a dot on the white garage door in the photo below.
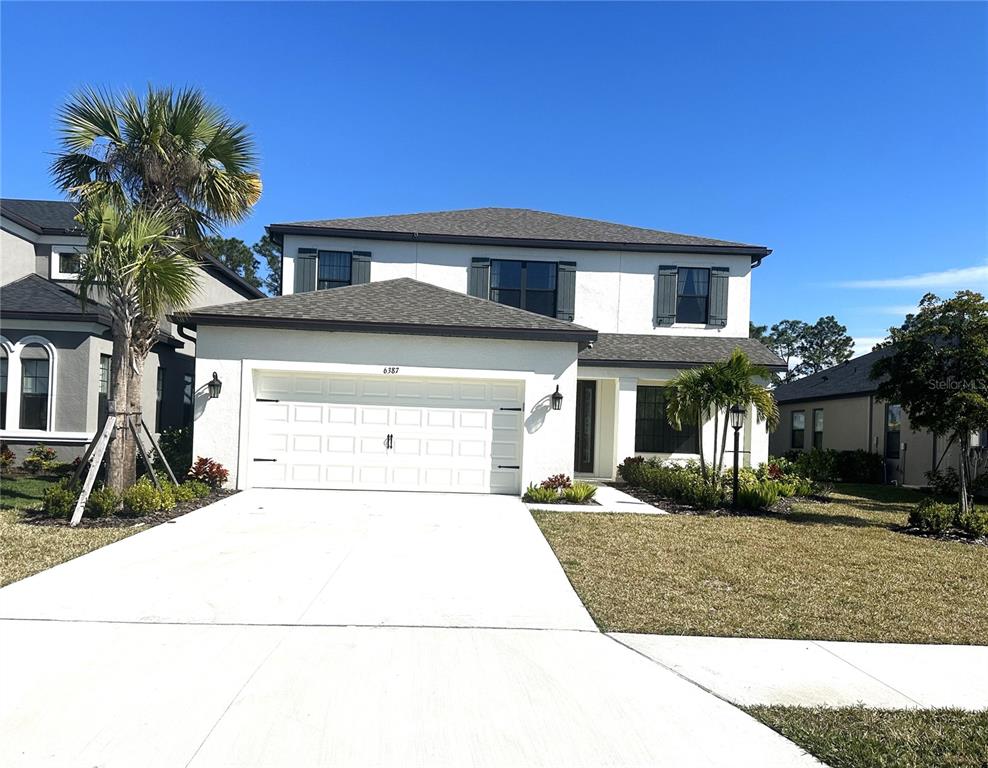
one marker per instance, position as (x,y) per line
(386,432)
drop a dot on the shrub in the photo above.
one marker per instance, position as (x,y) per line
(166,496)
(176,445)
(932,516)
(556,482)
(580,492)
(59,500)
(7,457)
(974,522)
(143,498)
(536,494)
(191,490)
(817,465)
(859,466)
(210,472)
(40,458)
(102,502)
(946,483)
(763,495)
(631,470)
(803,487)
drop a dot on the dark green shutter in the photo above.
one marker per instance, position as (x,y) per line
(305,270)
(360,267)
(666,291)
(719,277)
(566,290)
(479,281)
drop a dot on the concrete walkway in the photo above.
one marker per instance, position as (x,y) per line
(310,628)
(609,500)
(811,673)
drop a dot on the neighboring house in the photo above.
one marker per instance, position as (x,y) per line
(424,351)
(55,356)
(838,408)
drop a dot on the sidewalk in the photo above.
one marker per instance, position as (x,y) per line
(609,499)
(822,673)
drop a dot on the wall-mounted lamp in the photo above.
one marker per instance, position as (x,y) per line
(557,399)
(214,387)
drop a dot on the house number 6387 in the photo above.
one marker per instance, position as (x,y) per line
(391,369)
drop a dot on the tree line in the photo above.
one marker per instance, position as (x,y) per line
(807,348)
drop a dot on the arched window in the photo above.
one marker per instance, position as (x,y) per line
(4,362)
(35,386)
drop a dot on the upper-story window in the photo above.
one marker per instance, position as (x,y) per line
(692,295)
(527,285)
(335,269)
(65,262)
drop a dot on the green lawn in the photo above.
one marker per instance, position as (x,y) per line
(834,571)
(26,549)
(856,737)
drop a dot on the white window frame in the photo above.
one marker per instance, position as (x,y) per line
(55,262)
(14,385)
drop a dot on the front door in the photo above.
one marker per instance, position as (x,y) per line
(586,403)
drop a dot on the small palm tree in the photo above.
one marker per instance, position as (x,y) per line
(700,394)
(153,174)
(137,267)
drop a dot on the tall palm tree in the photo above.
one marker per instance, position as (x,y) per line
(136,265)
(700,394)
(153,173)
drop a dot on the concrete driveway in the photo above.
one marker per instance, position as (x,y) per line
(318,628)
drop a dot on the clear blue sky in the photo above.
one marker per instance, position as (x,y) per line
(851,138)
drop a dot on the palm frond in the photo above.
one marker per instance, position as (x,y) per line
(89,116)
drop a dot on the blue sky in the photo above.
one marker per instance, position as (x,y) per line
(852,138)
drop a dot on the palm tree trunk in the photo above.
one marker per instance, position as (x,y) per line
(723,447)
(962,481)
(699,443)
(122,455)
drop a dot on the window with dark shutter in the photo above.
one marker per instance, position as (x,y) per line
(479,279)
(653,434)
(566,290)
(665,295)
(305,270)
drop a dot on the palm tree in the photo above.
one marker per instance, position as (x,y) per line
(165,150)
(136,265)
(153,174)
(699,394)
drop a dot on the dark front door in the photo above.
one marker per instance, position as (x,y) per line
(586,403)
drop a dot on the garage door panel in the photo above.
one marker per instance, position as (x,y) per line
(447,435)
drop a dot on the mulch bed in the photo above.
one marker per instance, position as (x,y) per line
(781,508)
(563,503)
(956,537)
(38,517)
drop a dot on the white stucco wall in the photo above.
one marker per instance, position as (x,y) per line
(615,290)
(222,424)
(16,256)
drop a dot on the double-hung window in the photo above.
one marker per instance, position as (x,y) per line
(818,428)
(34,392)
(653,434)
(893,430)
(693,295)
(798,430)
(105,370)
(527,285)
(335,269)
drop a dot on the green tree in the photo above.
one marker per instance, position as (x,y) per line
(823,345)
(235,254)
(785,339)
(698,395)
(136,266)
(938,372)
(152,174)
(759,332)
(270,253)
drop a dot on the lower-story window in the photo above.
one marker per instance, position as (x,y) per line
(818,428)
(798,430)
(653,434)
(34,390)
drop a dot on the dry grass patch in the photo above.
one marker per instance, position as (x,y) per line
(855,737)
(26,549)
(833,571)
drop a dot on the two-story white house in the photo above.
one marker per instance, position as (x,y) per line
(475,350)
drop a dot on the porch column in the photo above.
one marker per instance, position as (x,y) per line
(624,421)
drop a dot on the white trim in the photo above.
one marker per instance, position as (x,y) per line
(14,384)
(54,265)
(42,436)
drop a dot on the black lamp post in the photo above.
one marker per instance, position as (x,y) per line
(214,387)
(556,399)
(737,421)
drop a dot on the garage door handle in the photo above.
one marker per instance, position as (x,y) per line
(267,400)
(265,459)
(510,409)
(508,466)
(390,442)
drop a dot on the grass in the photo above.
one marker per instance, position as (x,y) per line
(855,737)
(831,571)
(26,549)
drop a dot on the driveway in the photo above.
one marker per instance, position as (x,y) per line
(320,628)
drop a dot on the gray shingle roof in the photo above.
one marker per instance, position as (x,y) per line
(35,297)
(45,217)
(510,224)
(391,306)
(651,351)
(850,378)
